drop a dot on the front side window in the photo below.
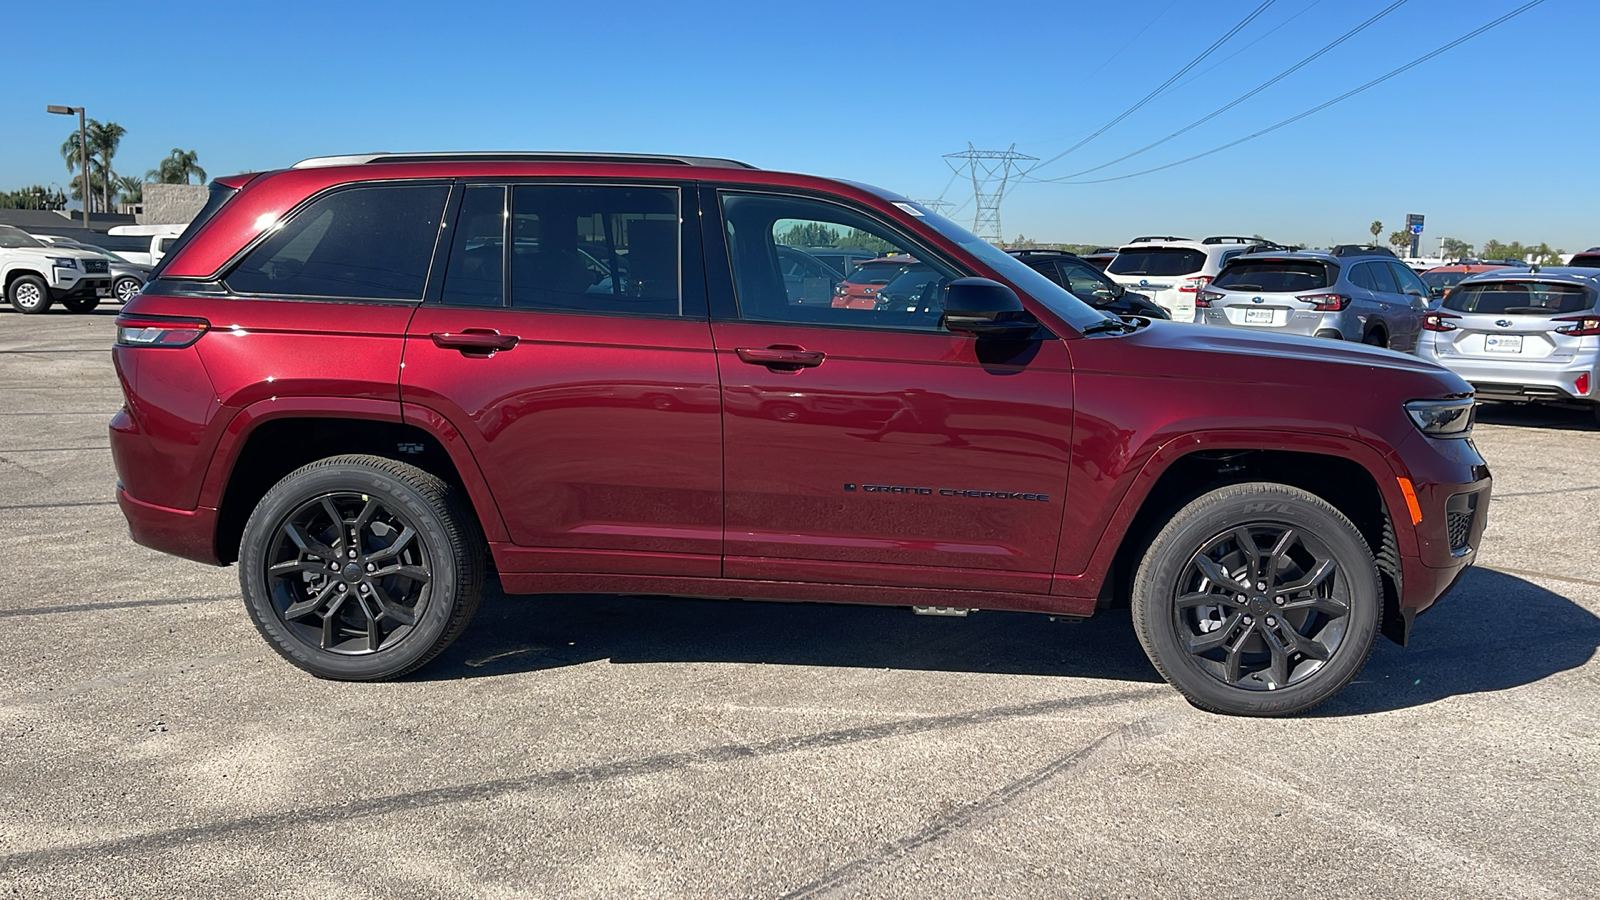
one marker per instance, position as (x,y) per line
(596,249)
(1159,261)
(1086,283)
(12,238)
(366,243)
(901,287)
(1408,280)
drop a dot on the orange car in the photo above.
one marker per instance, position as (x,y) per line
(1441,279)
(860,289)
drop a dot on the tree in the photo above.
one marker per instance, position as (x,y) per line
(131,187)
(1399,240)
(1376,228)
(809,234)
(103,142)
(177,168)
(34,196)
(1456,249)
(1023,242)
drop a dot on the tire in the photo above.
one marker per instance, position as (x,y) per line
(29,294)
(124,289)
(81,304)
(1375,338)
(435,573)
(1335,615)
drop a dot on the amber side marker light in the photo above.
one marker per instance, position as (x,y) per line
(1411,500)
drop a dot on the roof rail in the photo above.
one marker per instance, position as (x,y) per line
(1156,237)
(1234,239)
(360,159)
(1361,250)
(1042,251)
(1102,250)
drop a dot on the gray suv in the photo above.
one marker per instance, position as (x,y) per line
(1351,293)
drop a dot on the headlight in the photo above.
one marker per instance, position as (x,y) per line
(63,262)
(1442,418)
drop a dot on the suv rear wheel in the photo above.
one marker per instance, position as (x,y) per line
(29,294)
(1258,599)
(1376,338)
(361,568)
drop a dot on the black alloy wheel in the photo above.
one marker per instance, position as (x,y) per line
(1258,599)
(347,574)
(361,568)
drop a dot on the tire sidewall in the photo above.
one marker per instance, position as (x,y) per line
(116,289)
(44,294)
(293,492)
(1214,514)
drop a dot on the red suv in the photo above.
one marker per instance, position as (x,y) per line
(361,377)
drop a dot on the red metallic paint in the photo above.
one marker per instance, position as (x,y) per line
(600,440)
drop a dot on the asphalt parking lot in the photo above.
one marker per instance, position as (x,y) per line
(152,745)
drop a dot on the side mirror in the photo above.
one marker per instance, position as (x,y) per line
(987,309)
(1436,291)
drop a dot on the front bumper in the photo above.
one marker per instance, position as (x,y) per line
(82,288)
(1452,485)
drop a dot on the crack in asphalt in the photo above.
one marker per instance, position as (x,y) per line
(96,607)
(975,810)
(499,787)
(60,505)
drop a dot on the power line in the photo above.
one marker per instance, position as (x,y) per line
(1164,85)
(1135,37)
(1251,93)
(1319,108)
(986,167)
(1269,33)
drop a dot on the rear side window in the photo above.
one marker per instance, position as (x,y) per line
(1158,261)
(475,272)
(1382,279)
(364,243)
(1274,276)
(1526,298)
(600,249)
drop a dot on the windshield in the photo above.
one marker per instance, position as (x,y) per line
(106,253)
(14,237)
(1073,311)
(877,272)
(1157,261)
(1519,298)
(1282,276)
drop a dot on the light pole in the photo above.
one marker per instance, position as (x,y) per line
(83,151)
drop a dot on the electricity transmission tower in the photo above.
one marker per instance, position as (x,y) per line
(939,207)
(991,172)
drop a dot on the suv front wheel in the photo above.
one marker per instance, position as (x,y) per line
(361,568)
(1258,599)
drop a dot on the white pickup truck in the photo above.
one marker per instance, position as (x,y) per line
(36,275)
(162,237)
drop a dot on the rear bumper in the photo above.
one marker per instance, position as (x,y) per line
(1530,381)
(189,533)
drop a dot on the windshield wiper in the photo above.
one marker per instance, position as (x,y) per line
(1109,325)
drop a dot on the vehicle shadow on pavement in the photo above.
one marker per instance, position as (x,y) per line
(519,634)
(1494,632)
(1521,416)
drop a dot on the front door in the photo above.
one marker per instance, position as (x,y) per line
(870,445)
(570,347)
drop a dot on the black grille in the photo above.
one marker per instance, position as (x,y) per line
(1459,513)
(97,266)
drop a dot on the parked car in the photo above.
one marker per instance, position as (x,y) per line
(1100,257)
(154,241)
(844,259)
(1349,293)
(1522,336)
(1440,279)
(859,290)
(36,274)
(1088,283)
(126,277)
(806,277)
(1172,270)
(691,431)
(1588,259)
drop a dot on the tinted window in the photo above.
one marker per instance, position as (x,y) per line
(1586,261)
(1382,278)
(1443,279)
(1157,261)
(475,272)
(1408,279)
(1361,277)
(596,249)
(217,197)
(900,289)
(1086,282)
(1519,298)
(1048,269)
(368,243)
(1274,275)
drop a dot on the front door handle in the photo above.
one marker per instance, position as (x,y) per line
(781,357)
(475,340)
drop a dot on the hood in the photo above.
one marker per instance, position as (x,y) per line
(52,252)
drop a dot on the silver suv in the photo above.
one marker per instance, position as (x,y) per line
(1527,337)
(1351,293)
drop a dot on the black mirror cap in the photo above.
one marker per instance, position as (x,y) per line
(987,309)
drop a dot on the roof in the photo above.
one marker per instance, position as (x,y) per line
(1552,275)
(360,159)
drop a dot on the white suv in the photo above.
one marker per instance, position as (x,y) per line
(1172,270)
(36,274)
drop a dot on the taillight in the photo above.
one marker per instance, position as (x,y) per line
(1436,322)
(1204,299)
(1326,302)
(159,331)
(1582,326)
(1193,285)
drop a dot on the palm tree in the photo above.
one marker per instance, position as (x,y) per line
(103,141)
(177,168)
(131,187)
(1376,228)
(71,153)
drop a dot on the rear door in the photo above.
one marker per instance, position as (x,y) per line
(1405,319)
(569,345)
(870,445)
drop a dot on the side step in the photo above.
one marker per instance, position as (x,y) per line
(958,611)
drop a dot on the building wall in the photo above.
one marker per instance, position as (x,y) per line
(171,204)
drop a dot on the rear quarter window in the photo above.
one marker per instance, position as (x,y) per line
(1274,276)
(1163,261)
(1524,298)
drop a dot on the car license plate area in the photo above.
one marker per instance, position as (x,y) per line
(102,292)
(1502,343)
(1258,317)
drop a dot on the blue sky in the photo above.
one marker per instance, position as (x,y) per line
(1494,139)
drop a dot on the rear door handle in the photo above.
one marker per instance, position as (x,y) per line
(475,340)
(780,357)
